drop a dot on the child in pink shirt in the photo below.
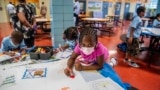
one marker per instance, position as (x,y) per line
(89,54)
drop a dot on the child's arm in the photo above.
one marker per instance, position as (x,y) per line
(69,70)
(64,47)
(71,60)
(96,66)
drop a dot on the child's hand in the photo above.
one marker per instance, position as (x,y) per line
(23,52)
(69,72)
(78,66)
(10,53)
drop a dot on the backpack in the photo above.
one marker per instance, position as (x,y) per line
(122,46)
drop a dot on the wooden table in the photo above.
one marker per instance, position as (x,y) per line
(42,21)
(83,15)
(97,24)
(37,16)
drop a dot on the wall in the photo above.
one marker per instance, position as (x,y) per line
(47,3)
(3,12)
(158,7)
(62,18)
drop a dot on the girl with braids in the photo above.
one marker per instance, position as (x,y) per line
(70,36)
(89,54)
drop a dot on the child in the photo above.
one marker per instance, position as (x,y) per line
(156,22)
(13,42)
(89,54)
(70,36)
(133,34)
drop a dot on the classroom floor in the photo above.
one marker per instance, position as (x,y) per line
(142,78)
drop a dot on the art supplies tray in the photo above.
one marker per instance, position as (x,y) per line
(41,53)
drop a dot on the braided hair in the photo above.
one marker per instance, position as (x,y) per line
(88,31)
(71,33)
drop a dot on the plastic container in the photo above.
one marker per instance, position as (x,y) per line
(41,56)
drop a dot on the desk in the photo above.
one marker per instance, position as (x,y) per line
(42,21)
(83,15)
(100,24)
(55,78)
(145,21)
(154,44)
(37,16)
(112,17)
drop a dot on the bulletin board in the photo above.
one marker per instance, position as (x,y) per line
(94,5)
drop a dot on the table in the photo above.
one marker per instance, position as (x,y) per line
(83,15)
(55,79)
(101,24)
(154,44)
(37,16)
(112,17)
(42,21)
(145,21)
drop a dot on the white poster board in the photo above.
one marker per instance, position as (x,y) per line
(94,5)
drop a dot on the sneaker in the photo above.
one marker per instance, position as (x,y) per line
(113,62)
(133,64)
(125,60)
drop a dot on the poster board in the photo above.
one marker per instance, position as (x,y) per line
(94,5)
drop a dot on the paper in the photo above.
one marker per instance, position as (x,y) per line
(91,75)
(104,84)
(63,54)
(5,57)
(8,81)
(35,73)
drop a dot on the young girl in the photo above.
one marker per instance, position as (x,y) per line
(89,54)
(70,36)
(156,22)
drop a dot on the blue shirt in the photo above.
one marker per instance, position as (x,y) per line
(6,45)
(136,24)
(156,23)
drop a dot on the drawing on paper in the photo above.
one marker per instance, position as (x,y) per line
(35,73)
(105,84)
(65,88)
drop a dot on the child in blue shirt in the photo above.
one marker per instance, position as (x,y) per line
(156,22)
(133,35)
(12,42)
(70,35)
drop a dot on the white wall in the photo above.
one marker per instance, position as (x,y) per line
(3,12)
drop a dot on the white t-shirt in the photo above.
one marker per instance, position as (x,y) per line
(76,7)
(10,9)
(136,24)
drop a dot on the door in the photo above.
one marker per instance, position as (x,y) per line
(105,9)
(117,10)
(82,5)
(126,10)
(137,5)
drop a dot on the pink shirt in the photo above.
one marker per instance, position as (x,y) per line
(99,50)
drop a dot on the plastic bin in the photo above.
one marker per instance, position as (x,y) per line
(41,56)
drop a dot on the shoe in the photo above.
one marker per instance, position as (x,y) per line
(113,62)
(133,64)
(125,60)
